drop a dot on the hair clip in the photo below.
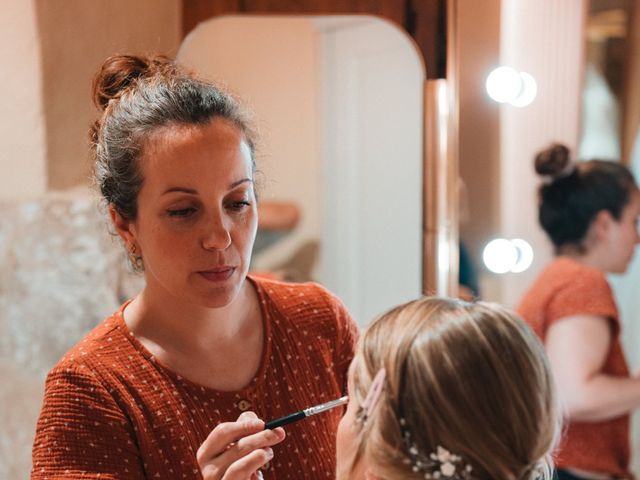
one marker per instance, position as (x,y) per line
(373,394)
(441,464)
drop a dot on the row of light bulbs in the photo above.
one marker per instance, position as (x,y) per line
(507,85)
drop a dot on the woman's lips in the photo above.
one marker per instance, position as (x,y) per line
(218,274)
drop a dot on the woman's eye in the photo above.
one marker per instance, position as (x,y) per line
(181,212)
(240,205)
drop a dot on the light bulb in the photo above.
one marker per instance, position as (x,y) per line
(504,84)
(500,255)
(525,255)
(528,92)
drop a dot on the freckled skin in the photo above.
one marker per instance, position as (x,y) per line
(206,224)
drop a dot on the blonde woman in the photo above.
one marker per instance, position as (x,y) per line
(446,389)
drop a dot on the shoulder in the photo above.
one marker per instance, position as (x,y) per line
(305,304)
(576,289)
(304,298)
(566,288)
(570,270)
(104,348)
(310,310)
(564,276)
(577,280)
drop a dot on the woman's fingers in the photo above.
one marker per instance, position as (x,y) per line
(246,445)
(227,433)
(236,450)
(248,466)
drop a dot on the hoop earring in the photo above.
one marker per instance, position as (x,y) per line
(135,258)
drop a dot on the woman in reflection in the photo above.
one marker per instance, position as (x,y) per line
(176,383)
(450,390)
(590,212)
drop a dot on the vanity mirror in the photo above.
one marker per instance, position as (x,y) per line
(338,103)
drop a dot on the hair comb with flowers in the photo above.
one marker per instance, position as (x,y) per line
(441,464)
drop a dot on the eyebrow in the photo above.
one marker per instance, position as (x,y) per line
(193,191)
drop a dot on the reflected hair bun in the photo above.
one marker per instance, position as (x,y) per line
(553,161)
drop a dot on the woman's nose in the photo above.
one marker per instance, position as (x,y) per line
(217,234)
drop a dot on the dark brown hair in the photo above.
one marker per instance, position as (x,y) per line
(138,95)
(575,192)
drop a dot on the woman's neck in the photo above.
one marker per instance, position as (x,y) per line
(166,321)
(590,258)
(219,348)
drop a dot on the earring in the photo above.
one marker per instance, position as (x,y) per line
(135,258)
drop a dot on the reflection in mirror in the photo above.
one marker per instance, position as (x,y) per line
(608,119)
(498,141)
(548,39)
(338,104)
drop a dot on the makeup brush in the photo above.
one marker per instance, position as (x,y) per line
(307,412)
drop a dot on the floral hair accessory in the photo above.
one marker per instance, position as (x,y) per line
(441,464)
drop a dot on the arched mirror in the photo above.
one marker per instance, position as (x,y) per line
(338,104)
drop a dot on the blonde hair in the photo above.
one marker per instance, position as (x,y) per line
(469,377)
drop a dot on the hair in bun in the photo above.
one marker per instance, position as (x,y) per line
(553,161)
(576,192)
(120,72)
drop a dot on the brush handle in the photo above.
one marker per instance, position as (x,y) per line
(278,422)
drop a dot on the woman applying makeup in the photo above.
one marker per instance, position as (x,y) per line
(175,383)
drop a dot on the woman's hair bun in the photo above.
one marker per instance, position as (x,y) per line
(553,160)
(119,72)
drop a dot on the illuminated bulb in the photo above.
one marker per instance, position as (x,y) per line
(504,84)
(525,255)
(527,92)
(507,85)
(500,255)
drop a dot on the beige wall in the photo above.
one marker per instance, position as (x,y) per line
(49,51)
(555,59)
(22,146)
(75,36)
(277,55)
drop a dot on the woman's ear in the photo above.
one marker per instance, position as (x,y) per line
(124,227)
(603,221)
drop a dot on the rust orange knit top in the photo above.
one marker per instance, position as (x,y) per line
(568,288)
(111,411)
